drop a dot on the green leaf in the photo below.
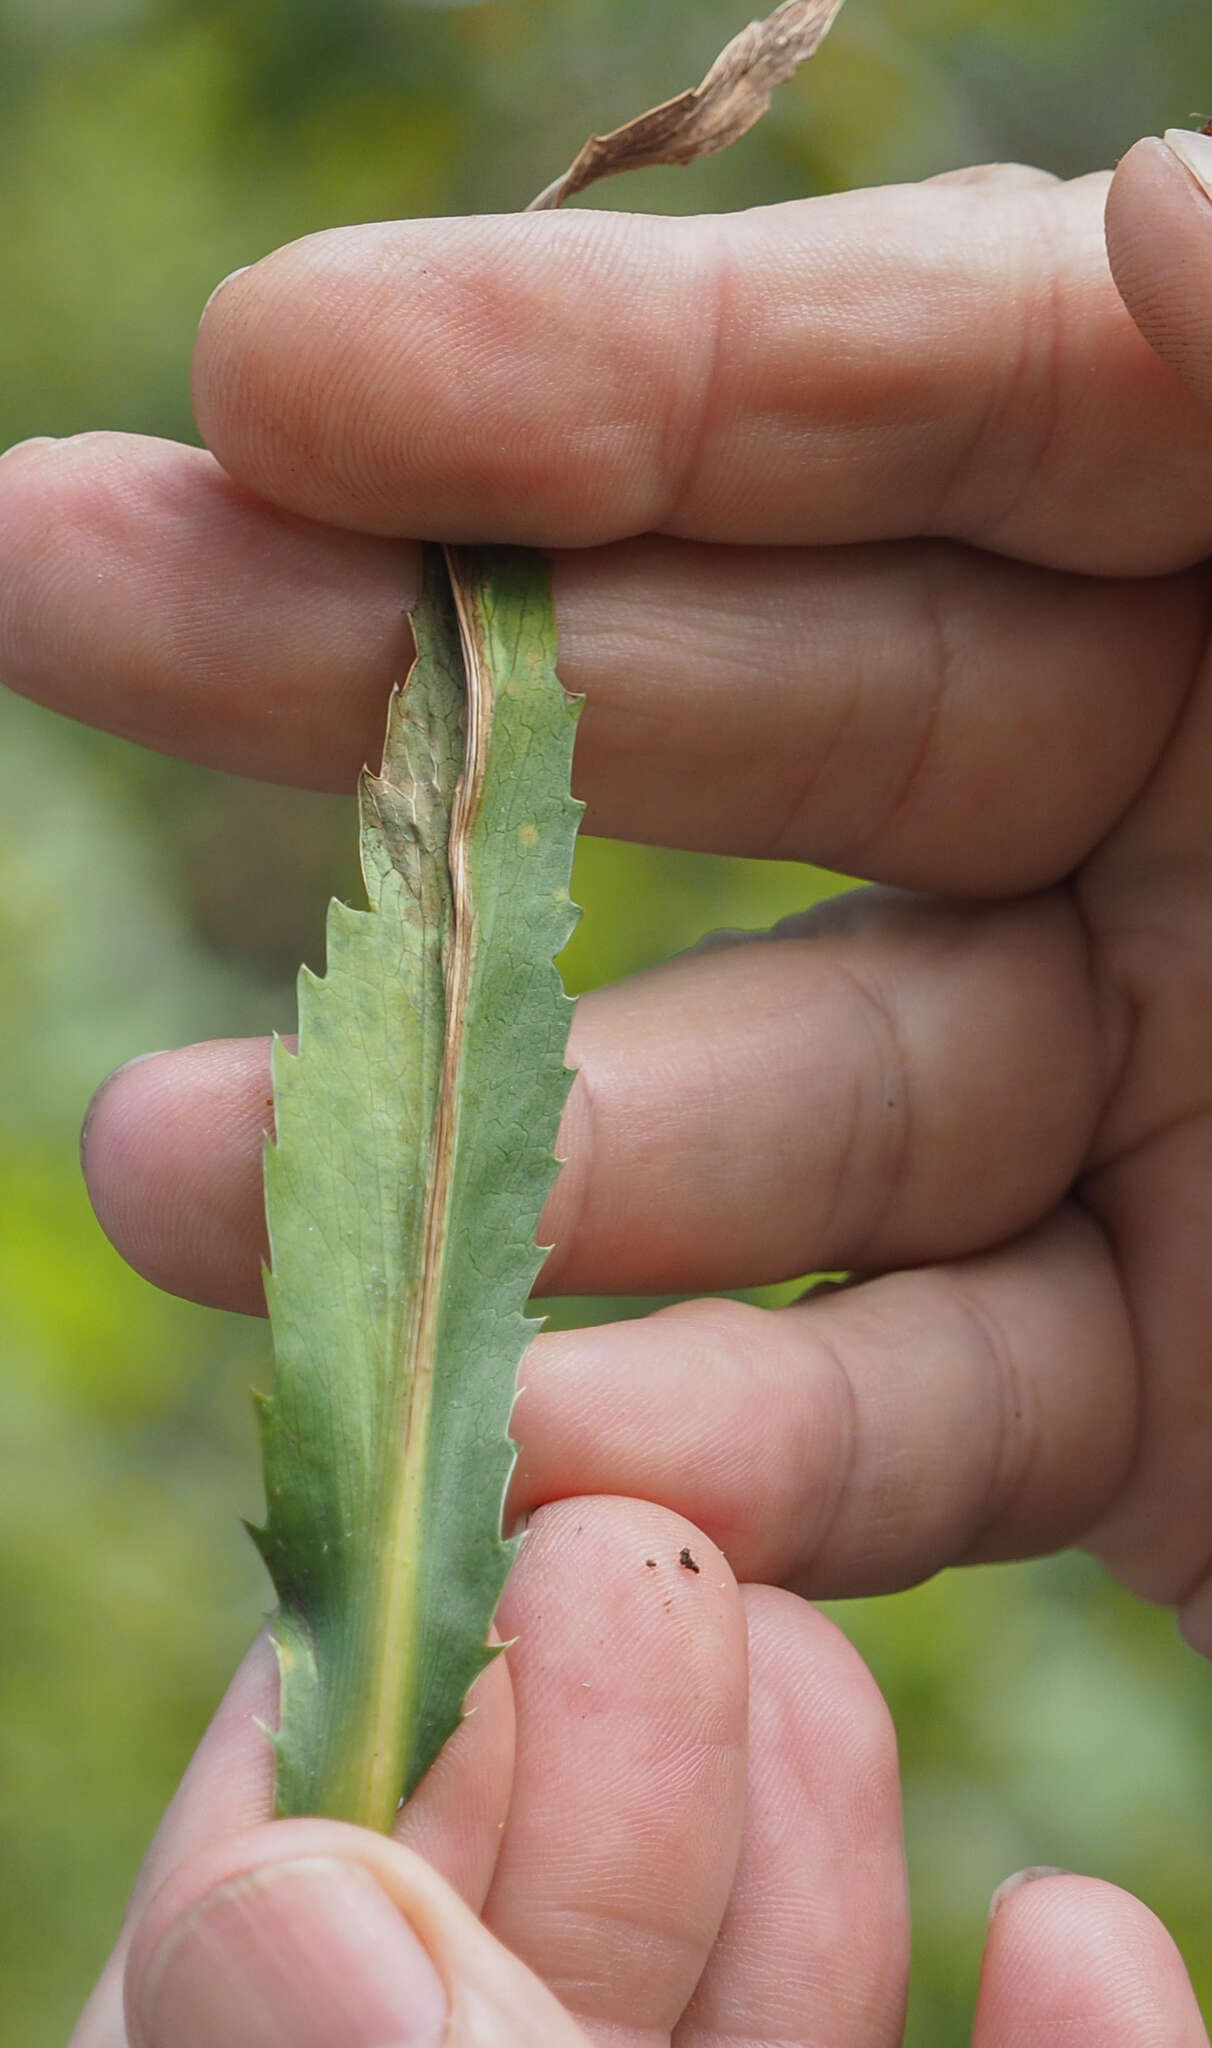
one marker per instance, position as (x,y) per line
(415,1130)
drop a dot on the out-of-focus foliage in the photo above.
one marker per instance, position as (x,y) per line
(146,148)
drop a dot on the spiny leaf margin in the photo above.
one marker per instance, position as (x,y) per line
(383,1536)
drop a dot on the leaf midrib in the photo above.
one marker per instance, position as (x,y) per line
(397,1679)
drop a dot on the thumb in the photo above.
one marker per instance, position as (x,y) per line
(307,1932)
(1159,240)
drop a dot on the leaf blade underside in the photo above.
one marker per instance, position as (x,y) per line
(415,1132)
(414,1152)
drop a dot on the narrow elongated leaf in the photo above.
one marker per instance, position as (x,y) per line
(415,1129)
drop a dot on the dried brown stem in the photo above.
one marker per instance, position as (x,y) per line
(712,116)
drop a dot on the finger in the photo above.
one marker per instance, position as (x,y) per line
(861,707)
(1145,901)
(814,1945)
(454,1819)
(921,713)
(147,593)
(914,1082)
(932,359)
(1071,1959)
(1156,1204)
(1152,931)
(864,1439)
(999,175)
(307,1933)
(1159,240)
(629,1672)
(679,1697)
(228,1787)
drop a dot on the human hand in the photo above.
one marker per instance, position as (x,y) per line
(881,540)
(216,609)
(674,1816)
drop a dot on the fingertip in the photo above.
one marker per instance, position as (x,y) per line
(456,1817)
(1159,244)
(30,445)
(431,377)
(792,1644)
(148,1146)
(1149,177)
(307,1932)
(1010,1885)
(1078,1958)
(815,1940)
(285,1935)
(95,1109)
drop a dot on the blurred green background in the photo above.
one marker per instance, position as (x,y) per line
(146,148)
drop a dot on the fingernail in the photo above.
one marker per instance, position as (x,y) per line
(293,1955)
(1015,1884)
(1194,152)
(222,286)
(108,1083)
(33,441)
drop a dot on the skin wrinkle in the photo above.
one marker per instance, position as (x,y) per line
(1117,1014)
(1022,374)
(737,1336)
(1158,974)
(955,477)
(1135,1449)
(649,1914)
(939,679)
(843,1464)
(1108,1522)
(846,1145)
(961,1311)
(1117,996)
(686,441)
(823,1771)
(986,432)
(830,252)
(237,683)
(485,316)
(1014,1450)
(783,836)
(862,1502)
(1047,406)
(893,1090)
(1139,1147)
(211,1070)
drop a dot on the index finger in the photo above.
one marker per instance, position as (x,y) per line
(946,359)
